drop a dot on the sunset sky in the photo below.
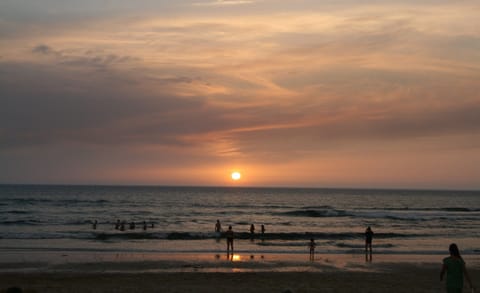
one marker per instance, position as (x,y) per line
(338,93)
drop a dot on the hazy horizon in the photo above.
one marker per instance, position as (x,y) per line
(291,94)
(366,188)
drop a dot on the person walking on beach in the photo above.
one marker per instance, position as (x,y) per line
(368,243)
(454,266)
(312,245)
(218,227)
(229,235)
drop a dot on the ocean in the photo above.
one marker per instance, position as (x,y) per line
(59,219)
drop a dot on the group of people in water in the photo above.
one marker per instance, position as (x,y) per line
(218,228)
(229,235)
(121,225)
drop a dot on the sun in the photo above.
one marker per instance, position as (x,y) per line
(236,176)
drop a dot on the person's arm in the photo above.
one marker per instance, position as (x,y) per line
(467,276)
(442,273)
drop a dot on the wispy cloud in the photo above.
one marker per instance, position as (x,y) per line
(89,58)
(224,2)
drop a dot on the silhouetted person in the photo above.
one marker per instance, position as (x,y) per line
(229,235)
(144,225)
(117,225)
(132,226)
(368,243)
(95,225)
(152,225)
(122,226)
(218,226)
(252,229)
(454,266)
(263,229)
(312,246)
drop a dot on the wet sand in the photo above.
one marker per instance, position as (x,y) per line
(217,273)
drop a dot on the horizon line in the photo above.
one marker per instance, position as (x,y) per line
(237,186)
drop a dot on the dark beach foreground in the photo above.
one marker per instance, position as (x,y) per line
(400,280)
(388,278)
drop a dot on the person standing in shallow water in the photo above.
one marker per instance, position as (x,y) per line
(312,249)
(218,226)
(368,244)
(229,235)
(456,270)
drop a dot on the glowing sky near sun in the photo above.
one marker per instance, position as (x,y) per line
(293,93)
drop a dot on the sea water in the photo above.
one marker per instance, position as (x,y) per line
(59,219)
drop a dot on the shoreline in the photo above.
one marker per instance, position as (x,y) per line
(82,262)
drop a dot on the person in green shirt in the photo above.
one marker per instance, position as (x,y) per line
(454,266)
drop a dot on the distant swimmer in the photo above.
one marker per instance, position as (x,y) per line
(144,225)
(218,226)
(132,226)
(312,246)
(95,225)
(368,243)
(229,235)
(117,225)
(122,226)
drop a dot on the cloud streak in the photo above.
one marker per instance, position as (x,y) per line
(224,2)
(89,58)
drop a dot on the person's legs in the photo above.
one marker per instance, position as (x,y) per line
(368,250)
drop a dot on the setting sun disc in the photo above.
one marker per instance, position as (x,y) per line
(236,175)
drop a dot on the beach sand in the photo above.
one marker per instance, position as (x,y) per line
(281,274)
(70,272)
(399,279)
